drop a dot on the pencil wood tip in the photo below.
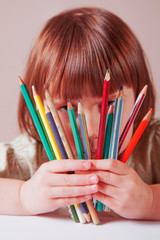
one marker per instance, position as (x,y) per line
(34,91)
(69,105)
(144,90)
(107,76)
(46,106)
(110,110)
(46,93)
(148,115)
(80,109)
(20,81)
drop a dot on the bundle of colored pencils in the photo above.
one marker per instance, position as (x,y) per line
(56,144)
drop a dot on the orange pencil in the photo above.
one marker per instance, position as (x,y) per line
(136,136)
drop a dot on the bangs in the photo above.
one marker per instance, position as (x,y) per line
(81,63)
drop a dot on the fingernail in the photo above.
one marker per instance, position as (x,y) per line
(94,188)
(86,164)
(94,179)
(88,197)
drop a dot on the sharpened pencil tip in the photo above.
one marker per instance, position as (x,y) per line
(148,115)
(69,105)
(144,90)
(107,77)
(46,106)
(20,81)
(34,91)
(121,88)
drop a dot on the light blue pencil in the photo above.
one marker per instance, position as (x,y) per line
(113,151)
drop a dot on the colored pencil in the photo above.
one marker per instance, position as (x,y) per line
(46,123)
(73,213)
(81,217)
(59,124)
(113,151)
(100,206)
(103,115)
(108,132)
(79,149)
(36,120)
(75,132)
(44,130)
(132,116)
(136,136)
(86,145)
(102,124)
(84,132)
(55,131)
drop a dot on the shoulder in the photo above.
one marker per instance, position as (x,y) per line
(24,145)
(145,158)
(153,130)
(22,148)
(21,145)
(21,157)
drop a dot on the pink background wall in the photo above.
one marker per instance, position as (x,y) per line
(21,22)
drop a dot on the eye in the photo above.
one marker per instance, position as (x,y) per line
(63,108)
(109,103)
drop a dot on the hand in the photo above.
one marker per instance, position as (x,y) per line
(121,189)
(51,187)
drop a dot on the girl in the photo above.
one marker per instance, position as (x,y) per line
(70,58)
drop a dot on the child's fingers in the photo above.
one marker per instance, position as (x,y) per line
(70,179)
(111,165)
(63,192)
(106,200)
(66,165)
(110,178)
(60,202)
(109,190)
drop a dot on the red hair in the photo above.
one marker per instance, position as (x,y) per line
(74,49)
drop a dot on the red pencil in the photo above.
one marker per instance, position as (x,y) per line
(104,109)
(136,136)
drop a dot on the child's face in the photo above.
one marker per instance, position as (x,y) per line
(92,107)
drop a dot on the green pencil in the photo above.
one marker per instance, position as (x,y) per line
(35,119)
(79,149)
(75,131)
(100,205)
(108,132)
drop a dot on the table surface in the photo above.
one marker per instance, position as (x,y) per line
(55,227)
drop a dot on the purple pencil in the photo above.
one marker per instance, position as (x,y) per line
(55,132)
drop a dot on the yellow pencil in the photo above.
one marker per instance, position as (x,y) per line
(41,110)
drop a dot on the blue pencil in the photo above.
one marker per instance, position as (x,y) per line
(113,151)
